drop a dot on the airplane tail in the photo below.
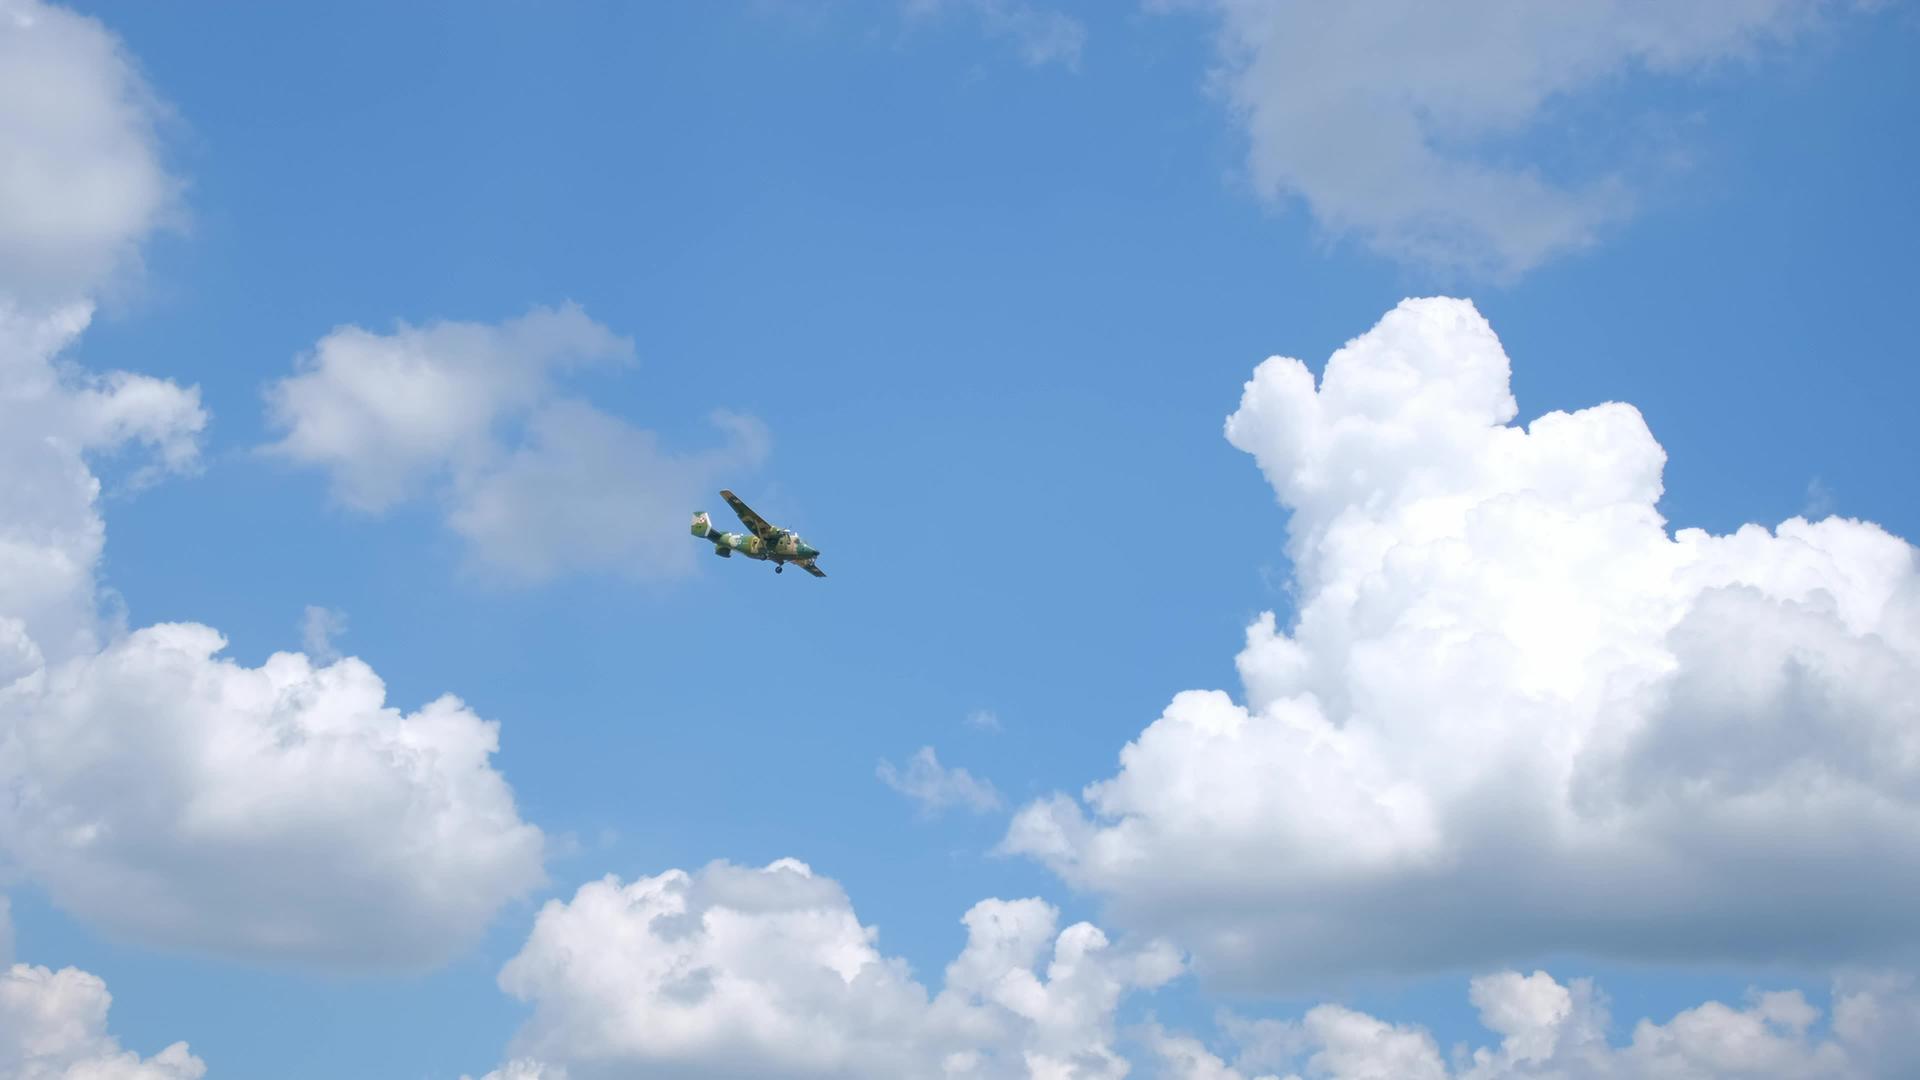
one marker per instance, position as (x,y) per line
(702,525)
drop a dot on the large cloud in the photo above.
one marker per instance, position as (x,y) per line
(738,972)
(536,482)
(1514,714)
(282,813)
(82,182)
(1387,118)
(1554,1031)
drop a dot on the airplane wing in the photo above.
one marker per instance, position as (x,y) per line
(754,522)
(812,569)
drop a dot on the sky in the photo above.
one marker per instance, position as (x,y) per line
(1362,541)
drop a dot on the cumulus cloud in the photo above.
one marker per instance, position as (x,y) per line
(1394,122)
(1554,1031)
(53,1026)
(1042,35)
(739,972)
(83,181)
(936,787)
(471,415)
(1513,714)
(284,813)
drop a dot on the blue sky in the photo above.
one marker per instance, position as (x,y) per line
(991,310)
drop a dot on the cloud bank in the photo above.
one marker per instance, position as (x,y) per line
(1393,122)
(1513,714)
(737,972)
(469,414)
(1554,1031)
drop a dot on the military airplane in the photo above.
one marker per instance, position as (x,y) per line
(762,541)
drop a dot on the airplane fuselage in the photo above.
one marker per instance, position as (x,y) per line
(787,547)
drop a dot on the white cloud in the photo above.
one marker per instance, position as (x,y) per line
(1513,714)
(936,787)
(738,972)
(1043,35)
(386,414)
(1388,119)
(1551,1031)
(53,1026)
(83,182)
(283,813)
(470,414)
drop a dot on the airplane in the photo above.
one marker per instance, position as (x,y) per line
(763,541)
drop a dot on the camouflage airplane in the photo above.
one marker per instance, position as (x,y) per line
(763,541)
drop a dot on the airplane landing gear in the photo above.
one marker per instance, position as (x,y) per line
(777,567)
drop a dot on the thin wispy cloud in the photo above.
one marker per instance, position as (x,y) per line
(319,629)
(1040,34)
(984,720)
(936,788)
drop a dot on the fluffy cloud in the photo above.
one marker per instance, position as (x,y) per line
(767,972)
(1514,714)
(936,787)
(53,1026)
(1551,1031)
(83,182)
(537,483)
(1383,117)
(280,813)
